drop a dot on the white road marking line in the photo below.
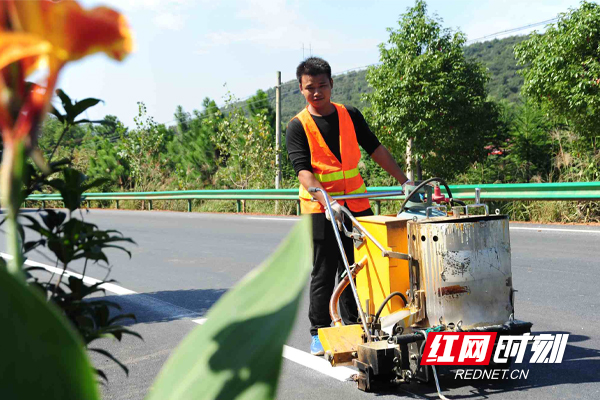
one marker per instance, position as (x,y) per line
(308,360)
(298,356)
(276,219)
(167,310)
(111,287)
(318,364)
(553,229)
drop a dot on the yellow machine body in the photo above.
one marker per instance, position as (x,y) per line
(340,343)
(383,275)
(380,277)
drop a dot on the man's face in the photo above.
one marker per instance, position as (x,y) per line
(316,89)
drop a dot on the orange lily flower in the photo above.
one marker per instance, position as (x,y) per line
(43,35)
(35,33)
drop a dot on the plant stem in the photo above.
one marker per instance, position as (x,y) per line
(66,128)
(11,181)
(84,268)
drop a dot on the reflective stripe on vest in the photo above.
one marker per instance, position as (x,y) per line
(335,177)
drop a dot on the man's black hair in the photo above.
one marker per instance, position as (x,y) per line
(313,66)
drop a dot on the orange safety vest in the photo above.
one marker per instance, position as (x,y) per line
(335,177)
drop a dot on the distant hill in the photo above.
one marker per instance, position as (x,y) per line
(497,55)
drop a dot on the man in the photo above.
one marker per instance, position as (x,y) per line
(323,145)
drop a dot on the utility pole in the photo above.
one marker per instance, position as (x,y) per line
(278,130)
(409,160)
(278,135)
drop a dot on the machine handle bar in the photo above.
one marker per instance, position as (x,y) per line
(384,251)
(345,259)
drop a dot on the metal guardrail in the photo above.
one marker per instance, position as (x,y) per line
(581,191)
(584,191)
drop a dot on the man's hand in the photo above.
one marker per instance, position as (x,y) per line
(337,213)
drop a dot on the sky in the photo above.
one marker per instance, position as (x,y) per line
(186,50)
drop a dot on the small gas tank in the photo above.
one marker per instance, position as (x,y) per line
(463,265)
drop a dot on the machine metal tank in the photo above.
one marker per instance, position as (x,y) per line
(463,266)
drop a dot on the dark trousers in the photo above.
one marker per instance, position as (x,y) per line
(327,266)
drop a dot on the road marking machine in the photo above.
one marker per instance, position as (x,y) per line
(438,265)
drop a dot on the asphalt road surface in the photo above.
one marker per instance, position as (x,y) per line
(184,262)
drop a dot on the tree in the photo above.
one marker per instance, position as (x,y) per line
(426,90)
(111,128)
(53,132)
(258,105)
(183,120)
(192,152)
(246,151)
(109,162)
(143,150)
(563,69)
(530,149)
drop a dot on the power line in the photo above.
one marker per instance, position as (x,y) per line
(357,68)
(493,35)
(243,102)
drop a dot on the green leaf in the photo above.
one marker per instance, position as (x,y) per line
(237,352)
(57,114)
(42,357)
(66,101)
(81,106)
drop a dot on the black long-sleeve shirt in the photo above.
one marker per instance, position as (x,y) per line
(329,126)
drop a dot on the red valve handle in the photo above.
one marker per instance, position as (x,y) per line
(438,197)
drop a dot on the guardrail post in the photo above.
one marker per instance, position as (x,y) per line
(87,204)
(298,207)
(239,206)
(43,203)
(150,205)
(189,205)
(377,207)
(117,201)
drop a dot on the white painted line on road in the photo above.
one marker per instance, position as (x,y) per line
(167,310)
(553,229)
(318,364)
(308,360)
(111,287)
(298,356)
(276,219)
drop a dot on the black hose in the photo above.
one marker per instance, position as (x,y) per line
(425,182)
(388,299)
